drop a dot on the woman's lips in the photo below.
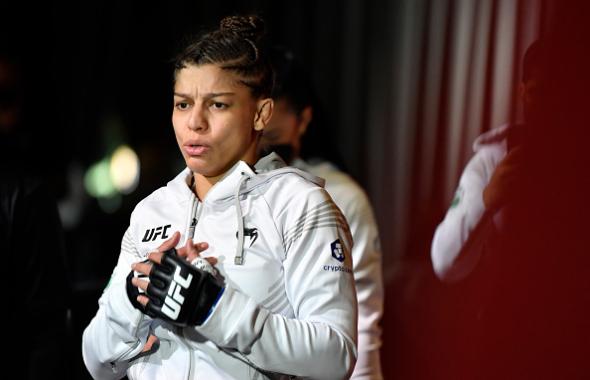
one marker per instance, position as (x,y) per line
(195,150)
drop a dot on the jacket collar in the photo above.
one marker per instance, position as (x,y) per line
(266,168)
(226,186)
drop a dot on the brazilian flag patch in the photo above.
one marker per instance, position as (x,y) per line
(457,197)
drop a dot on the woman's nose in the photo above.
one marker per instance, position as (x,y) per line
(197,120)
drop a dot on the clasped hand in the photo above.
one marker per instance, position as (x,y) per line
(177,291)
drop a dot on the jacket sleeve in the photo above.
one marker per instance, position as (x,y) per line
(118,331)
(366,257)
(320,342)
(459,239)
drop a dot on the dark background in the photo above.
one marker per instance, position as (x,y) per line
(98,74)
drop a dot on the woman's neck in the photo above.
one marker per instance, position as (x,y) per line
(202,185)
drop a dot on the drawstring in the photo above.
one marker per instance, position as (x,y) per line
(239,259)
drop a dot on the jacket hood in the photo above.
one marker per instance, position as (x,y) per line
(272,165)
(493,136)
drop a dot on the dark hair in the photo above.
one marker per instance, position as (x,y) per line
(292,80)
(238,46)
(293,83)
(531,60)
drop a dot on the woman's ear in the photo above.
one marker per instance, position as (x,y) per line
(263,113)
(305,118)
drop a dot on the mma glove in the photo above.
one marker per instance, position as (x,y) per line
(178,292)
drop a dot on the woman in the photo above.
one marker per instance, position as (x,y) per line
(269,291)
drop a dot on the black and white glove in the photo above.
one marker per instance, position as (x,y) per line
(178,292)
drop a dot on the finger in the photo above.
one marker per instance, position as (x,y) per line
(143,300)
(195,250)
(156,257)
(142,267)
(183,251)
(170,243)
(191,250)
(152,339)
(211,260)
(141,284)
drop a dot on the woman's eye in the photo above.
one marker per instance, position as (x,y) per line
(182,105)
(218,105)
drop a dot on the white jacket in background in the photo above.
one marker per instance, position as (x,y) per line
(451,259)
(290,308)
(366,262)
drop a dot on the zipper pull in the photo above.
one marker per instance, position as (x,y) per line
(191,230)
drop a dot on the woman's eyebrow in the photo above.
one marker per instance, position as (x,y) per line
(205,96)
(212,95)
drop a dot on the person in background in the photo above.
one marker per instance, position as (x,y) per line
(486,186)
(523,308)
(32,244)
(291,123)
(268,291)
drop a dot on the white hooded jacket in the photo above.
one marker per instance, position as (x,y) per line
(289,306)
(452,260)
(366,261)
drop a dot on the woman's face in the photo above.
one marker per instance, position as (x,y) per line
(216,120)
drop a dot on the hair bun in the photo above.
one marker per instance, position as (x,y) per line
(250,27)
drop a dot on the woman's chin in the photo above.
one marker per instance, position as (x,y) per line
(203,171)
(197,165)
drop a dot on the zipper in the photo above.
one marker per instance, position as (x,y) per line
(193,217)
(192,222)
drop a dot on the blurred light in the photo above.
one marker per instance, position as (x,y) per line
(97,180)
(112,176)
(110,204)
(124,169)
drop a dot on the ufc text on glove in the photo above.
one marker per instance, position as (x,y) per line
(178,292)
